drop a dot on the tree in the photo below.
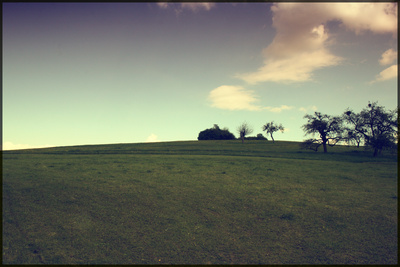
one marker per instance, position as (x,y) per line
(270,127)
(350,135)
(353,137)
(244,130)
(216,133)
(376,126)
(329,129)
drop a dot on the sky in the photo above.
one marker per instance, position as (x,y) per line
(107,73)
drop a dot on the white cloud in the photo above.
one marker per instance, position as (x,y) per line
(152,138)
(297,68)
(309,108)
(388,57)
(12,146)
(359,17)
(278,109)
(179,7)
(301,43)
(196,6)
(386,74)
(233,98)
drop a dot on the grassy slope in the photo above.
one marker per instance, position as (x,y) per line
(199,202)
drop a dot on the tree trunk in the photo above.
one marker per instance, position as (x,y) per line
(325,148)
(375,152)
(272,138)
(324,140)
(242,139)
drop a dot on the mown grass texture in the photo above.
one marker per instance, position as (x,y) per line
(199,203)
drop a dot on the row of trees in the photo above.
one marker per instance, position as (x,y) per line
(244,130)
(269,127)
(373,126)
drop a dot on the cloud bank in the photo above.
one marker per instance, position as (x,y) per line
(301,46)
(301,43)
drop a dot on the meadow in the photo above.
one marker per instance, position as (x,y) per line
(199,202)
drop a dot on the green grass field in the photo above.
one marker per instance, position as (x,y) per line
(208,202)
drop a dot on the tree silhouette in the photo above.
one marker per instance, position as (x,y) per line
(329,129)
(270,127)
(243,130)
(376,126)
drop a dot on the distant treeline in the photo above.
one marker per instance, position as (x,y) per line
(373,126)
(217,133)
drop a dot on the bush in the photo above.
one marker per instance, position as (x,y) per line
(216,134)
(258,137)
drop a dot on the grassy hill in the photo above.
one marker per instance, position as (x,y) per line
(199,202)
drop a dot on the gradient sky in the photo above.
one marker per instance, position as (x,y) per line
(101,73)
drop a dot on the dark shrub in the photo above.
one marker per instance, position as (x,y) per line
(216,134)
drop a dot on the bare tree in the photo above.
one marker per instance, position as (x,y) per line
(270,127)
(243,130)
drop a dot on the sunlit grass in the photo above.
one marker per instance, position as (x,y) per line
(199,203)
